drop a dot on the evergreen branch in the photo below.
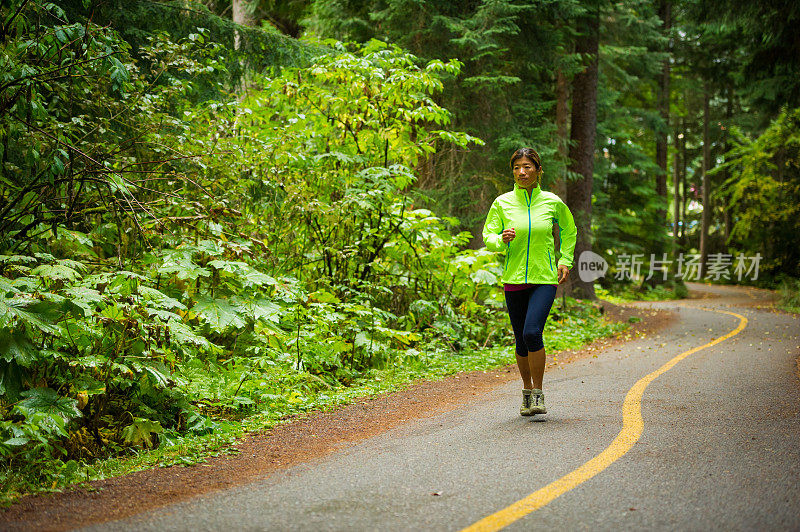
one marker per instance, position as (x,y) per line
(36,75)
(5,27)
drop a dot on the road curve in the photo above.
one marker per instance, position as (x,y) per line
(719,447)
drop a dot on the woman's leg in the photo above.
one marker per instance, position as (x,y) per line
(536,360)
(539,304)
(517,304)
(525,372)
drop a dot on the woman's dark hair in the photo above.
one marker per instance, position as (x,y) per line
(530,153)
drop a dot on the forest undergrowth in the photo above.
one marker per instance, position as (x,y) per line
(181,263)
(200,239)
(228,401)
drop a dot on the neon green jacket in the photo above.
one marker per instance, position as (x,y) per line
(530,257)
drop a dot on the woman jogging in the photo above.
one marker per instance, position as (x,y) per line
(520,223)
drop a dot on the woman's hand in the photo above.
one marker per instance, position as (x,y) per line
(563,273)
(509,235)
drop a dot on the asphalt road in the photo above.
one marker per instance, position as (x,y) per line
(719,448)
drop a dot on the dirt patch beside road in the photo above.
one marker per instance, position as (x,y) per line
(299,440)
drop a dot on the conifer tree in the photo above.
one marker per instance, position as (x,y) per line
(582,140)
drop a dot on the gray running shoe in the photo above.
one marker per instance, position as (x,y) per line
(537,403)
(525,409)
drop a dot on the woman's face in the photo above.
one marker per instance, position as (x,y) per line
(526,173)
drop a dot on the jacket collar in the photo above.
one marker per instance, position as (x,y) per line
(522,194)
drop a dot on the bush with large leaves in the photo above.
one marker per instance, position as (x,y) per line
(166,262)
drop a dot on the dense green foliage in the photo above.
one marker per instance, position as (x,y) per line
(197,229)
(789,291)
(764,194)
(171,261)
(741,55)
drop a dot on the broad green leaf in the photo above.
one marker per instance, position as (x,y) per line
(340,346)
(69,263)
(162,300)
(183,268)
(47,401)
(362,339)
(90,361)
(209,247)
(227,265)
(82,333)
(29,284)
(141,431)
(11,380)
(323,297)
(183,334)
(200,424)
(113,312)
(84,298)
(16,347)
(219,314)
(243,272)
(110,278)
(159,374)
(6,313)
(262,309)
(484,277)
(6,287)
(56,272)
(163,315)
(88,384)
(48,422)
(77,236)
(242,400)
(268,328)
(17,259)
(251,277)
(85,294)
(126,283)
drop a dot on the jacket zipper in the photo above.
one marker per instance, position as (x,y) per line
(527,249)
(549,260)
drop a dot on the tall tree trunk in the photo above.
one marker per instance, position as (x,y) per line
(676,180)
(243,15)
(581,149)
(684,198)
(560,184)
(726,218)
(726,213)
(706,185)
(664,12)
(562,114)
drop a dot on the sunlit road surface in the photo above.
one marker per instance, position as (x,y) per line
(718,446)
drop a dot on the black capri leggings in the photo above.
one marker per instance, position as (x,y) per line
(528,310)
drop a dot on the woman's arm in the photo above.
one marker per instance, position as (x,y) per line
(568,234)
(493,229)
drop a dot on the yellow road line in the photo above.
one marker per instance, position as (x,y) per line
(632,426)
